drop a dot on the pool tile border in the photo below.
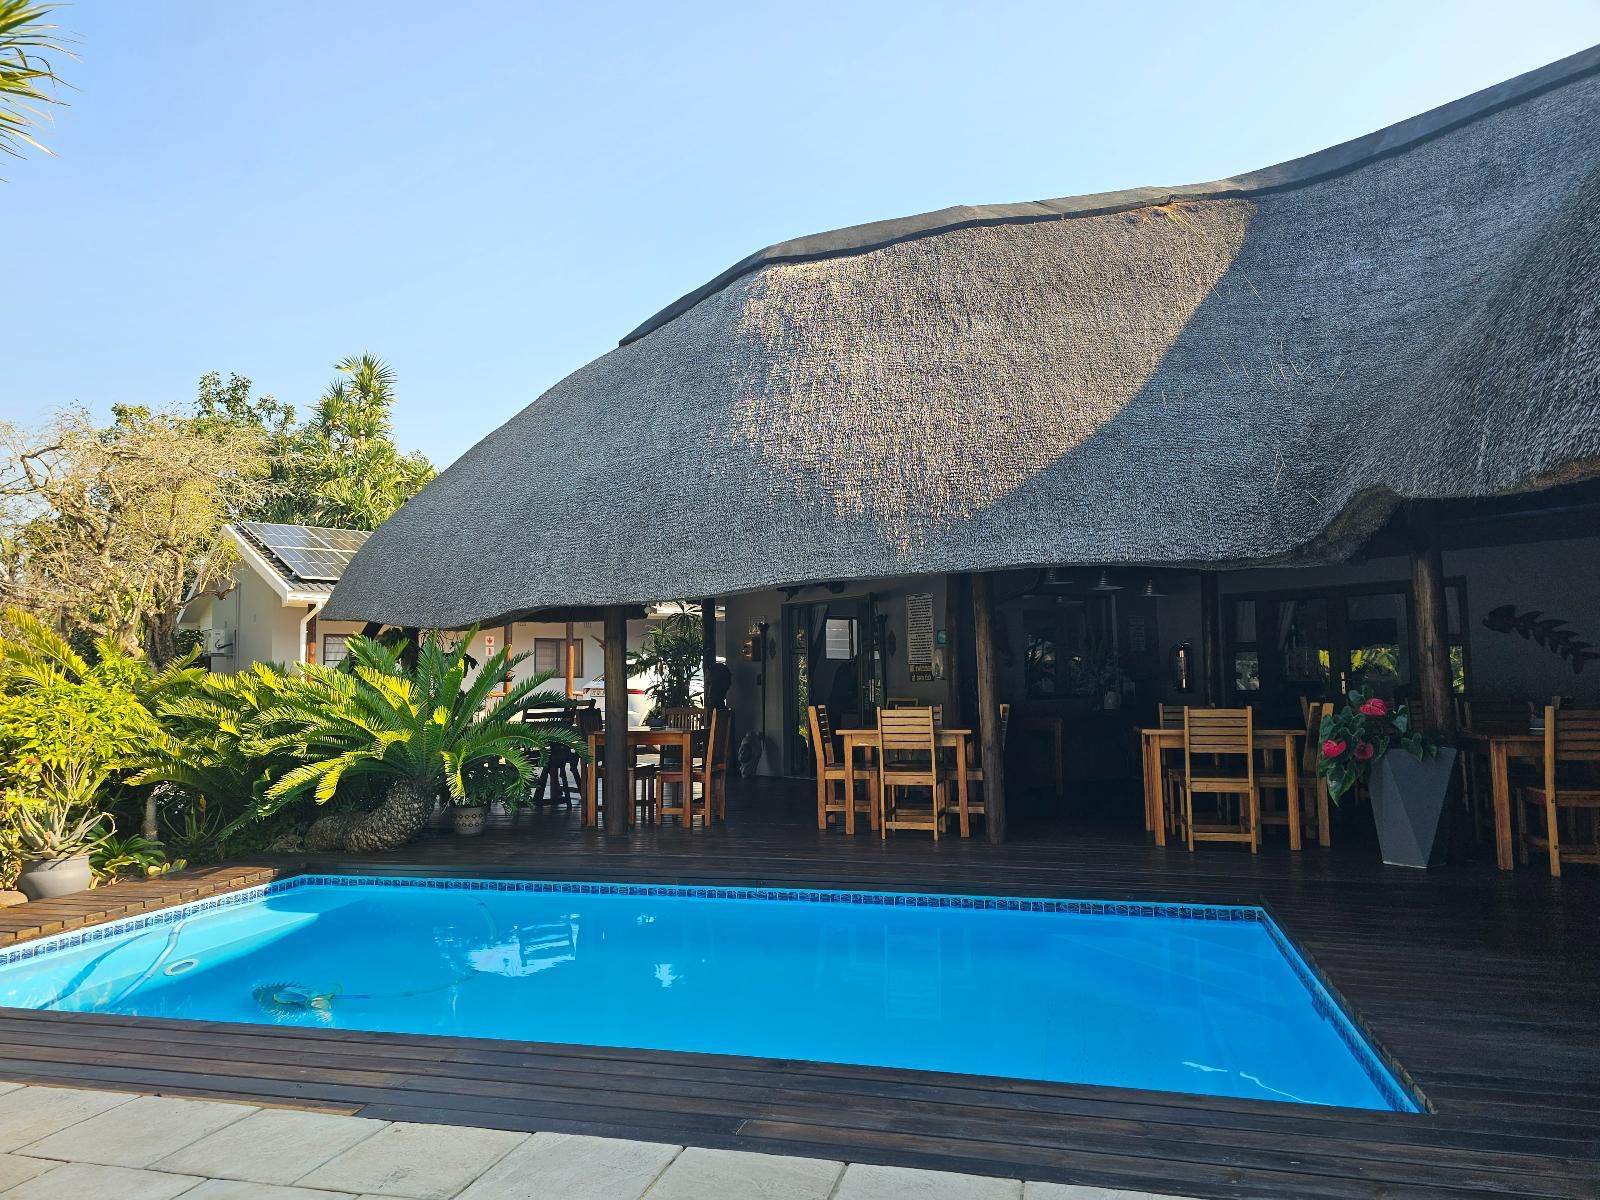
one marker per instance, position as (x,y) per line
(1384,1077)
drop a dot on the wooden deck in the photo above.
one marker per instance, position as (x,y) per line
(44,917)
(1484,988)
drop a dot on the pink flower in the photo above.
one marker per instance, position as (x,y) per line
(1332,748)
(1364,750)
(1374,708)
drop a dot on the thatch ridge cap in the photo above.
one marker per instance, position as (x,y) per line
(1299,172)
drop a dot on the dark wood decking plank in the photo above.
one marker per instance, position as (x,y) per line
(1482,987)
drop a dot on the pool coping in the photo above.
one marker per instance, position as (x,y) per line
(1388,1077)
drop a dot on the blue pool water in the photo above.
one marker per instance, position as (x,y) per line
(1174,998)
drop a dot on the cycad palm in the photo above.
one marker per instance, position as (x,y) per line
(204,744)
(422,727)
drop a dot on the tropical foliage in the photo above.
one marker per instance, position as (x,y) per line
(421,727)
(28,81)
(214,764)
(672,656)
(135,856)
(1360,734)
(424,724)
(203,750)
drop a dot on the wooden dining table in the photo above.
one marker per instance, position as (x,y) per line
(1286,741)
(867,740)
(638,736)
(1500,749)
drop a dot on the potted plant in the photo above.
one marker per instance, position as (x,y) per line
(671,656)
(1408,790)
(56,829)
(488,783)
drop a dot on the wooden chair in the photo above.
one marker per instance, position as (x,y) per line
(1170,716)
(712,773)
(831,775)
(684,718)
(641,775)
(1570,785)
(977,804)
(1309,783)
(908,756)
(1226,733)
(1489,716)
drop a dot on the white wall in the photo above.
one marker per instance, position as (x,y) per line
(263,629)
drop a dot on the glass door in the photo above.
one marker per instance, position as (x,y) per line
(828,652)
(1321,644)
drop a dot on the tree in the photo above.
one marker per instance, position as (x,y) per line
(110,530)
(343,467)
(340,467)
(27,80)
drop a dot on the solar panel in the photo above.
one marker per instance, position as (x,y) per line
(313,554)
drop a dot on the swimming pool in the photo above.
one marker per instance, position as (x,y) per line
(1188,998)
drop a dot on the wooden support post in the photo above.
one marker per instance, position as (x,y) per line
(1211,638)
(619,804)
(1432,633)
(311,638)
(994,765)
(708,660)
(506,646)
(571,662)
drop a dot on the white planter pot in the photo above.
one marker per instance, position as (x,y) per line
(47,879)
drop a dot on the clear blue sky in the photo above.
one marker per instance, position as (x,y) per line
(489,195)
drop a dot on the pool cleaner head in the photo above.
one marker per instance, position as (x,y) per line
(293,999)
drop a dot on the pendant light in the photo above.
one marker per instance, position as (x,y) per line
(1104,583)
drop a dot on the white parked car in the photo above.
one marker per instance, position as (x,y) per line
(639,702)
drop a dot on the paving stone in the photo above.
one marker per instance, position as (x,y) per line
(138,1133)
(565,1166)
(15,1169)
(863,1182)
(1079,1191)
(30,1113)
(241,1189)
(700,1174)
(88,1181)
(9,1087)
(276,1145)
(425,1162)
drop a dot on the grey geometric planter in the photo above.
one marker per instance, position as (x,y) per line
(1409,795)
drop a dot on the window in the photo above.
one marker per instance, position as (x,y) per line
(549,654)
(334,649)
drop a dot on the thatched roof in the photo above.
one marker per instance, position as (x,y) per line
(1249,370)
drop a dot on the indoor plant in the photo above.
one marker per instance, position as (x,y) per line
(1408,790)
(672,656)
